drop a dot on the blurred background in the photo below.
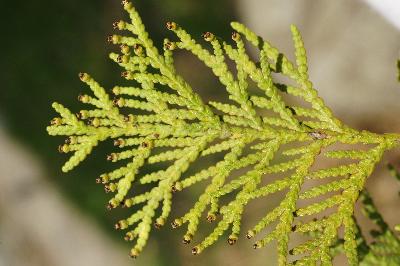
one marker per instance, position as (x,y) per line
(50,218)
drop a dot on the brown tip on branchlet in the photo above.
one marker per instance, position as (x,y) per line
(117,142)
(126,4)
(133,254)
(115,101)
(291,252)
(176,223)
(169,46)
(117,25)
(170,25)
(211,217)
(60,148)
(138,49)
(83,98)
(104,179)
(98,180)
(195,250)
(117,226)
(294,228)
(256,245)
(208,36)
(110,39)
(109,206)
(81,76)
(112,157)
(232,240)
(129,236)
(125,74)
(159,222)
(156,135)
(129,118)
(124,49)
(107,188)
(118,102)
(83,114)
(295,214)
(119,59)
(56,121)
(249,234)
(235,36)
(145,144)
(186,239)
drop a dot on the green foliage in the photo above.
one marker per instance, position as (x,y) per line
(385,247)
(398,70)
(261,136)
(385,250)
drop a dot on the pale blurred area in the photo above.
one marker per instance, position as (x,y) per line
(352,49)
(37,226)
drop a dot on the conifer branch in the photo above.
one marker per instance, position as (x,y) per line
(168,123)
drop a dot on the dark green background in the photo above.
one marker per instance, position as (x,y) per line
(45,44)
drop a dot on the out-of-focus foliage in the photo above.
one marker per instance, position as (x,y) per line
(384,249)
(45,44)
